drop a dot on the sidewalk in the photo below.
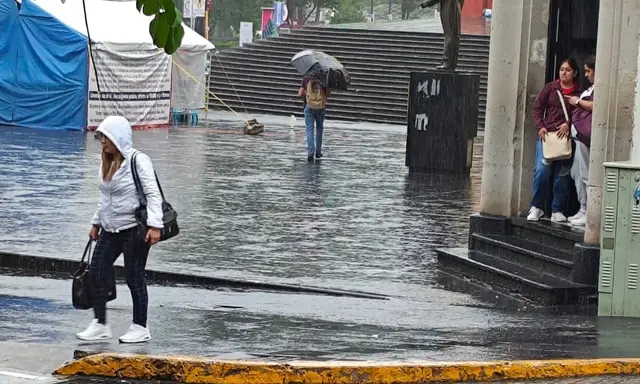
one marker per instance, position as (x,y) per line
(257,325)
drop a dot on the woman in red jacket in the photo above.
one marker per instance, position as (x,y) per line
(549,116)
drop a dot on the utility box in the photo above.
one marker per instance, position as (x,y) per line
(442,121)
(619,274)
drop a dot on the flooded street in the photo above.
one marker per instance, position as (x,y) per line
(253,208)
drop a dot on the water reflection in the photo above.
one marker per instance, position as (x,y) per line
(40,170)
(253,207)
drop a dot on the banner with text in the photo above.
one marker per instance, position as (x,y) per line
(133,84)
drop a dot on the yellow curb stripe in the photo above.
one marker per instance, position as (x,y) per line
(207,371)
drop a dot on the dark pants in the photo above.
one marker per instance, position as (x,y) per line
(109,247)
(450,17)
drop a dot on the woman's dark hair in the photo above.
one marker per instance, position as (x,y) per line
(590,62)
(573,64)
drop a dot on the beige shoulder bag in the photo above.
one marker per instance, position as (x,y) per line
(553,147)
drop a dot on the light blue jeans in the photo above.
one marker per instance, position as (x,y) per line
(312,116)
(541,178)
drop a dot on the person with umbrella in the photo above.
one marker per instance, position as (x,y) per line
(315,96)
(320,72)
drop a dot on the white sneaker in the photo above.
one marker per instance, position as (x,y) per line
(558,217)
(95,331)
(577,216)
(580,221)
(535,214)
(136,334)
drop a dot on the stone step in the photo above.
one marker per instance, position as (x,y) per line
(333,113)
(249,88)
(513,250)
(251,80)
(408,50)
(481,50)
(520,261)
(553,235)
(399,80)
(464,263)
(279,51)
(354,63)
(283,83)
(414,39)
(352,101)
(386,33)
(375,56)
(258,77)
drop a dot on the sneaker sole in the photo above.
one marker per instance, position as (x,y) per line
(95,338)
(135,341)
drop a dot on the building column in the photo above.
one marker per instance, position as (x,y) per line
(517,64)
(615,99)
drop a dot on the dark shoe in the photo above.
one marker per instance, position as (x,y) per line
(318,155)
(310,158)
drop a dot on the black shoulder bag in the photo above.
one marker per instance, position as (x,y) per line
(81,286)
(169,216)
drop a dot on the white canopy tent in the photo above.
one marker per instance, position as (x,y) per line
(135,78)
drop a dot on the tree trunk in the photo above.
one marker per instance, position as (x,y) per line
(301,15)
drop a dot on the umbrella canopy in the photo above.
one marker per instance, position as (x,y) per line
(305,60)
(317,63)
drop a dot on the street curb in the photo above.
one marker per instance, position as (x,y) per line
(205,371)
(65,268)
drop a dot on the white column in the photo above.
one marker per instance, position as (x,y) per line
(615,99)
(635,138)
(517,63)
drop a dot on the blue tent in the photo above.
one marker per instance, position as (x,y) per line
(43,69)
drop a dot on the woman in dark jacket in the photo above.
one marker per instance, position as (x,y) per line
(549,116)
(581,134)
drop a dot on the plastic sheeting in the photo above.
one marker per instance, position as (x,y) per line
(43,69)
(8,57)
(117,24)
(186,92)
(132,43)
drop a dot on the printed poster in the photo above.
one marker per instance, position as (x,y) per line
(133,84)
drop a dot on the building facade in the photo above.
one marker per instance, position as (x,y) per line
(528,40)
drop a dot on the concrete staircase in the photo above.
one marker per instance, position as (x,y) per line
(525,264)
(258,78)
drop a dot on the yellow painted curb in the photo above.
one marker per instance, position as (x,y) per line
(205,371)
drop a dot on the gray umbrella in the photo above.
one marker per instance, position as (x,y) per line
(303,61)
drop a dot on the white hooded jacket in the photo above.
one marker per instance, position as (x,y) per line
(118,197)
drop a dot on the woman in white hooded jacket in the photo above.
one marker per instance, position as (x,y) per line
(116,230)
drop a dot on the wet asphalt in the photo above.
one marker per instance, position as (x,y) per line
(254,208)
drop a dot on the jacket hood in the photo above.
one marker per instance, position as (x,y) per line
(118,130)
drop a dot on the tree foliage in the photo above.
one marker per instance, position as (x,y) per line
(348,11)
(166,27)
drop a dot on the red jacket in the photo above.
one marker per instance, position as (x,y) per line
(547,112)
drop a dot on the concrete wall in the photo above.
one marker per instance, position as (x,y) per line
(615,98)
(517,65)
(517,62)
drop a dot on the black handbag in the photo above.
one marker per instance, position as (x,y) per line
(169,215)
(81,286)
